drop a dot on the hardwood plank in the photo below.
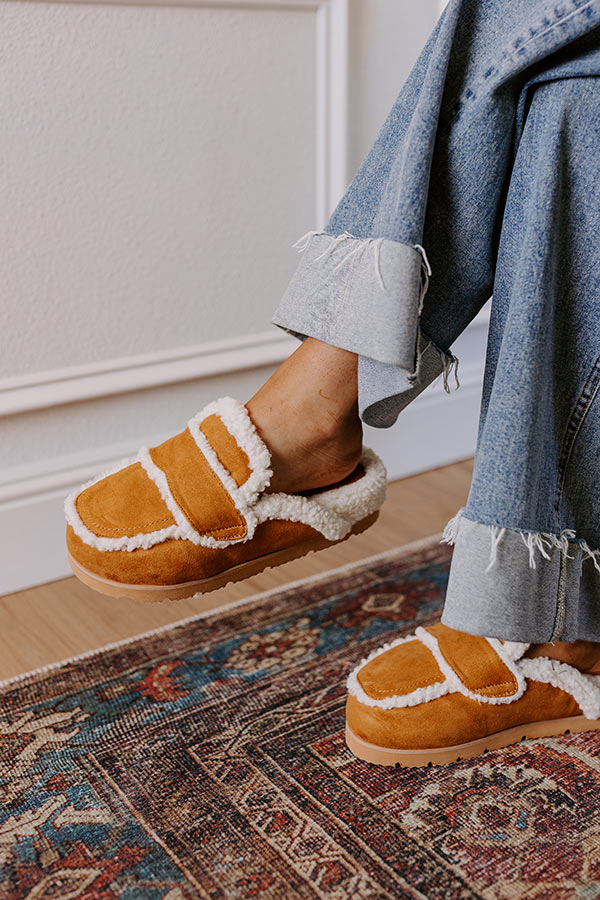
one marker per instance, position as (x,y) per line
(61,619)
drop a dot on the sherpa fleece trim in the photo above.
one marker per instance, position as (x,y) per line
(237,421)
(585,689)
(332,512)
(537,543)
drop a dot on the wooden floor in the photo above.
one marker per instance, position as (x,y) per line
(64,618)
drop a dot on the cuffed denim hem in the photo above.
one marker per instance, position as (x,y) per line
(384,391)
(521,586)
(365,295)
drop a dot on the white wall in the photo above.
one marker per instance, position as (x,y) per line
(157,163)
(146,154)
(385,38)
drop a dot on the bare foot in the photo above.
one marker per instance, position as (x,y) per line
(307,414)
(584,655)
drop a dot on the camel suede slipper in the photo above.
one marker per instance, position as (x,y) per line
(441,695)
(192,514)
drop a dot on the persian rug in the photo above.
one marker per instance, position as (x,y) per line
(207,760)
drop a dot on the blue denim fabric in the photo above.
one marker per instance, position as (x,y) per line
(487,169)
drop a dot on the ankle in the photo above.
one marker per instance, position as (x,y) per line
(583,655)
(307,415)
(317,459)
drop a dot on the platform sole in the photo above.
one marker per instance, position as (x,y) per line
(439,756)
(151,593)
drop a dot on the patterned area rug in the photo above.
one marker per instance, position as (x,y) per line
(208,760)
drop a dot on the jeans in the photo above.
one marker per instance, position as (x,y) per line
(485,180)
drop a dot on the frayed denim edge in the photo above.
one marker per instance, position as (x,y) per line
(449,362)
(536,542)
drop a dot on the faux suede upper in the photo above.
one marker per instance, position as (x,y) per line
(475,662)
(454,718)
(411,665)
(126,504)
(196,488)
(129,502)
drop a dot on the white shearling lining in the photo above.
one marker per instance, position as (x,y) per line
(332,512)
(585,689)
(297,508)
(237,421)
(509,649)
(360,498)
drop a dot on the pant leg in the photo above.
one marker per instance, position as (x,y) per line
(436,178)
(525,566)
(489,161)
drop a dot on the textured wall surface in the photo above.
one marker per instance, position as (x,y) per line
(156,165)
(386,37)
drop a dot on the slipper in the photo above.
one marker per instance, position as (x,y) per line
(441,695)
(192,515)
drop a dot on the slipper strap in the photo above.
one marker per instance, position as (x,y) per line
(195,486)
(474,660)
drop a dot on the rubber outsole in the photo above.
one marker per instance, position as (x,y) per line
(438,756)
(150,593)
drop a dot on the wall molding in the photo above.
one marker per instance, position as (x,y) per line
(20,484)
(90,381)
(45,389)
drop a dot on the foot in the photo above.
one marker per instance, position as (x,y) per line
(307,415)
(442,695)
